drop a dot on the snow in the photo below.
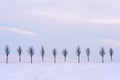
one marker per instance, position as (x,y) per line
(59,71)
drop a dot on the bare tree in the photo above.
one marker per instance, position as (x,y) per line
(54,54)
(111,53)
(19,50)
(7,51)
(42,53)
(88,53)
(65,54)
(78,53)
(31,53)
(102,54)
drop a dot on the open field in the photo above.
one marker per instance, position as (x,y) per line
(59,71)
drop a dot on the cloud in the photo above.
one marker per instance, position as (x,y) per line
(111,42)
(72,17)
(25,15)
(106,21)
(17,30)
(60,16)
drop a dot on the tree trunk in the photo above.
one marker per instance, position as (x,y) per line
(31,59)
(19,58)
(78,59)
(42,59)
(54,59)
(6,59)
(102,59)
(65,59)
(88,58)
(111,59)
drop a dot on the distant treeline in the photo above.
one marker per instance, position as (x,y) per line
(31,52)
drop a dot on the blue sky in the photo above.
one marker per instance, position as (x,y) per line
(61,24)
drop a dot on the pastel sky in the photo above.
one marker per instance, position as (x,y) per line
(61,24)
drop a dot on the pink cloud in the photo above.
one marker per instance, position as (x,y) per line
(17,30)
(111,42)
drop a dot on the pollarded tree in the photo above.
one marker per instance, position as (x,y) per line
(78,53)
(19,50)
(111,53)
(7,51)
(31,53)
(88,53)
(65,54)
(42,53)
(54,54)
(102,54)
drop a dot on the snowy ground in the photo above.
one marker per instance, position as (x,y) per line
(60,71)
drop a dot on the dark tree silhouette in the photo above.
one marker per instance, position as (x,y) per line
(7,51)
(102,54)
(42,53)
(31,53)
(65,54)
(19,50)
(111,53)
(78,54)
(54,54)
(88,53)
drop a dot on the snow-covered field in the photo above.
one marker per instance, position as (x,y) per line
(59,71)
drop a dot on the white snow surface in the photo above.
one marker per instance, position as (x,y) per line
(60,71)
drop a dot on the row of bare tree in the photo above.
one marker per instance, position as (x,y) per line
(65,52)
